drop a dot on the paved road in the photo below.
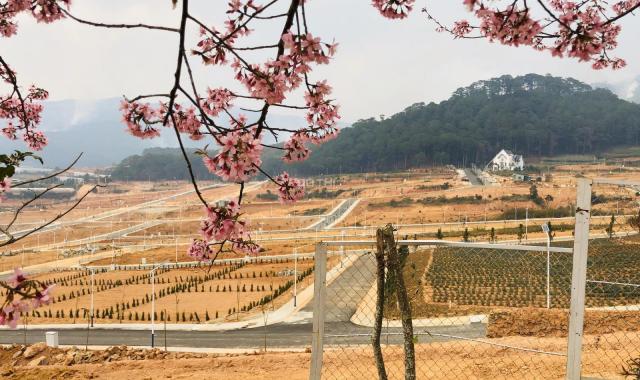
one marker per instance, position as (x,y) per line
(345,292)
(473,178)
(335,215)
(280,335)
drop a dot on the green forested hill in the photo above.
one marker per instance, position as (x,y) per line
(532,115)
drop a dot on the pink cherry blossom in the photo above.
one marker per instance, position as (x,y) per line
(290,189)
(581,30)
(17,278)
(23,114)
(461,28)
(295,150)
(43,297)
(5,187)
(222,224)
(199,250)
(10,313)
(141,119)
(322,115)
(218,100)
(48,11)
(394,9)
(238,155)
(186,120)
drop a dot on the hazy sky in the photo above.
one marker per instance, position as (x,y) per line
(381,67)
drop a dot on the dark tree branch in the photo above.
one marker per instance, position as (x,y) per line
(14,239)
(118,26)
(50,176)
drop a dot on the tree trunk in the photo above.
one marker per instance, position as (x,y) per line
(377,326)
(403,304)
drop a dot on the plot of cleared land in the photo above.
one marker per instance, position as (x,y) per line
(196,295)
(423,196)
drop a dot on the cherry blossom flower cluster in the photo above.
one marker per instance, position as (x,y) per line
(222,224)
(585,34)
(269,83)
(272,80)
(295,149)
(5,187)
(394,9)
(238,157)
(143,120)
(322,115)
(186,120)
(46,11)
(23,295)
(290,189)
(624,6)
(214,45)
(200,250)
(461,28)
(304,49)
(23,113)
(217,101)
(585,30)
(511,26)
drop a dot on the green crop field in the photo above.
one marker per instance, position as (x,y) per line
(491,277)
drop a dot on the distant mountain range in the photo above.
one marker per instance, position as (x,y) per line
(95,128)
(531,114)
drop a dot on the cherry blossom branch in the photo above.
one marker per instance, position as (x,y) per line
(623,14)
(55,174)
(178,71)
(585,30)
(5,230)
(293,8)
(188,161)
(118,26)
(14,239)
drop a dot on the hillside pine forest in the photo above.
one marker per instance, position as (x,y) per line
(533,115)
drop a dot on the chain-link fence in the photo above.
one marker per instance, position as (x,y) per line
(495,310)
(612,316)
(472,306)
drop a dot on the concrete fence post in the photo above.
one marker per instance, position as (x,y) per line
(319,295)
(579,279)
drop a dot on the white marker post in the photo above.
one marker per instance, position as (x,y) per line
(295,278)
(526,224)
(342,248)
(545,229)
(92,284)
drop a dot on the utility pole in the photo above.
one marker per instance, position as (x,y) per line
(153,304)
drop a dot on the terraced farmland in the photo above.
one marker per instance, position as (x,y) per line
(503,278)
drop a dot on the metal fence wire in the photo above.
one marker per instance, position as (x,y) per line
(493,311)
(612,316)
(472,306)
